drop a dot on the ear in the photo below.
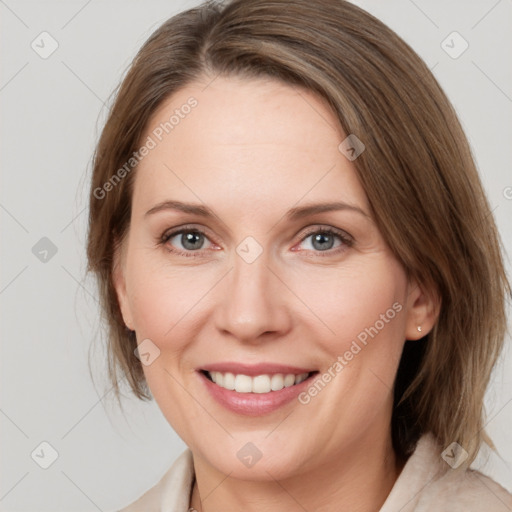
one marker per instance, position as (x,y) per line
(119,281)
(423,307)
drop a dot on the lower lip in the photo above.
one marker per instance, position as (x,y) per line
(254,404)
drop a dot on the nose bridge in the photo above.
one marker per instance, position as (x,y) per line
(250,278)
(251,303)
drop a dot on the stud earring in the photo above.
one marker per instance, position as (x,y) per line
(419,328)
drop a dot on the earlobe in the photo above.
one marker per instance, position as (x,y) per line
(119,282)
(422,311)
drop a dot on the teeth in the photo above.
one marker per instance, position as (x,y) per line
(259,384)
(243,384)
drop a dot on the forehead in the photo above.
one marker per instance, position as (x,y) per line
(255,140)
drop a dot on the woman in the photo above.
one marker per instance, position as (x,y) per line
(297,261)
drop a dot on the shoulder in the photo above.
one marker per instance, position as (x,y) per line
(428,483)
(466,491)
(171,492)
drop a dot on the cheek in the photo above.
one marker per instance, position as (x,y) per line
(364,307)
(165,302)
(359,312)
(163,299)
(359,348)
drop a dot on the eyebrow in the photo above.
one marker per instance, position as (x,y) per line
(295,213)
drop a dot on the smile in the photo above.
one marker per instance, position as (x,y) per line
(254,390)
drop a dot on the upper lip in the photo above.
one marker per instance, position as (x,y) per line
(252,370)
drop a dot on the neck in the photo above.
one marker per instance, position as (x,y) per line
(358,480)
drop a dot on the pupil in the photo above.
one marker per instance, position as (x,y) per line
(321,238)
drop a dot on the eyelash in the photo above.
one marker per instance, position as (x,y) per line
(346,240)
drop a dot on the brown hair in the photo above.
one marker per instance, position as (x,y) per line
(417,171)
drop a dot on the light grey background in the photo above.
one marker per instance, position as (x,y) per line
(52,112)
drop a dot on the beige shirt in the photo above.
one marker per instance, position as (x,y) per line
(426,483)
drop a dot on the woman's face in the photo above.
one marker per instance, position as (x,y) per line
(260,288)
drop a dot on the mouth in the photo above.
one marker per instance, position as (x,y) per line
(255,390)
(264,383)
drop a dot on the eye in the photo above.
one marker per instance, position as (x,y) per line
(185,241)
(191,241)
(327,240)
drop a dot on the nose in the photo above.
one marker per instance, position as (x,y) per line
(252,302)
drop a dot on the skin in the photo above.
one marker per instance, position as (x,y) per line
(250,151)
